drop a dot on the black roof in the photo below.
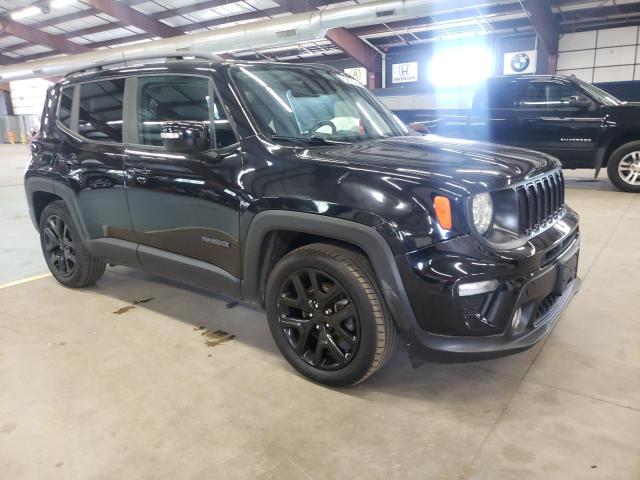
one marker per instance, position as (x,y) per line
(531,76)
(112,70)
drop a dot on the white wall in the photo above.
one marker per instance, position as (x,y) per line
(28,96)
(608,55)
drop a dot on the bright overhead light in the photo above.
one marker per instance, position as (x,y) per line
(61,3)
(26,12)
(460,66)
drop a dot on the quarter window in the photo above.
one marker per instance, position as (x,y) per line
(100,112)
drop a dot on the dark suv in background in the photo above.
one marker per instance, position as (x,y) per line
(579,123)
(291,186)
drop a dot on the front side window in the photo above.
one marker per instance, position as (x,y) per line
(100,112)
(305,103)
(179,98)
(170,99)
(64,106)
(549,95)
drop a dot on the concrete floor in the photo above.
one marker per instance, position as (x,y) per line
(137,378)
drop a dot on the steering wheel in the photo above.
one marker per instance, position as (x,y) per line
(322,123)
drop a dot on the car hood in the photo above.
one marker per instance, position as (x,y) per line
(463,162)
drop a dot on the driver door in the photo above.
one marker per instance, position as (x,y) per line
(184,204)
(549,122)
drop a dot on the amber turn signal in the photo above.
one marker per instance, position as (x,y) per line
(443,211)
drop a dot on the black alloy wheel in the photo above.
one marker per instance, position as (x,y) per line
(327,316)
(59,247)
(319,319)
(69,260)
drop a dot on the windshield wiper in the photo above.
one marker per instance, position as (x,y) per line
(307,140)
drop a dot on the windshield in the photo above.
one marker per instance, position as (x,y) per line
(599,94)
(304,103)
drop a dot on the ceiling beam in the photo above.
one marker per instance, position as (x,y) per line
(135,18)
(194,7)
(354,47)
(158,16)
(544,22)
(216,22)
(344,40)
(358,50)
(5,60)
(38,37)
(258,14)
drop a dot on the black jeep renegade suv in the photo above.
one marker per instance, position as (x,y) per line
(292,187)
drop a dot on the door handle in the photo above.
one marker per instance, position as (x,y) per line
(139,171)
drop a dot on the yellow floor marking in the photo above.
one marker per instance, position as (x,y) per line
(24,280)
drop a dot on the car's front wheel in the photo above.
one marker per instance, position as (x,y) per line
(68,259)
(326,315)
(623,167)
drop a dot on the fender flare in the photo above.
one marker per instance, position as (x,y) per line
(35,184)
(364,237)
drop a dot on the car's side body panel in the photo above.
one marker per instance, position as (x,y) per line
(579,136)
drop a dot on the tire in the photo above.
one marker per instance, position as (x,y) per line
(68,259)
(627,176)
(340,313)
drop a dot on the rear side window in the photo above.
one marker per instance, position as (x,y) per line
(100,112)
(179,98)
(64,106)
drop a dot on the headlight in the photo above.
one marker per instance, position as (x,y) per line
(482,212)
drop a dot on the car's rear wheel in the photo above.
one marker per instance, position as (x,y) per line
(623,167)
(326,315)
(69,261)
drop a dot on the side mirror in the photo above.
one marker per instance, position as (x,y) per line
(185,137)
(419,127)
(581,104)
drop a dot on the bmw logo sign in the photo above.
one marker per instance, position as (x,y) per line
(520,62)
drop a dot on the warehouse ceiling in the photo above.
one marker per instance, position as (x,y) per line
(35,30)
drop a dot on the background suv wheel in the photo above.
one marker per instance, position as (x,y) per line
(623,167)
(68,259)
(326,315)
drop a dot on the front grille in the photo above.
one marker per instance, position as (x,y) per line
(540,202)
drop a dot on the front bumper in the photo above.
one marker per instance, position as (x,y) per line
(450,328)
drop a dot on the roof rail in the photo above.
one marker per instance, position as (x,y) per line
(177,55)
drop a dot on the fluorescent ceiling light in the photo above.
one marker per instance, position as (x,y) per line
(26,12)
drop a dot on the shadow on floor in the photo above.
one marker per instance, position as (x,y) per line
(211,312)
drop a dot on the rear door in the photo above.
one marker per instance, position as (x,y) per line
(183,203)
(90,161)
(548,122)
